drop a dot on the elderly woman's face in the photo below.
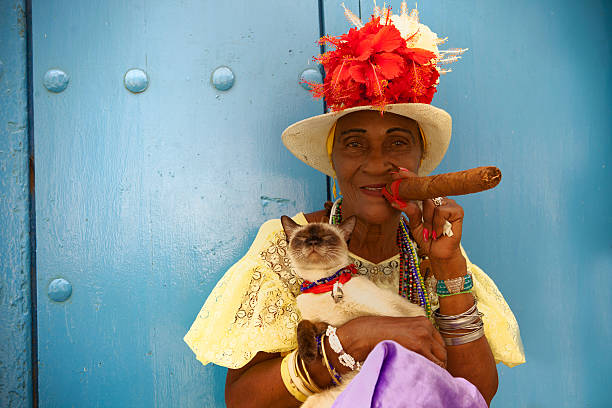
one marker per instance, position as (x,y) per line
(367,147)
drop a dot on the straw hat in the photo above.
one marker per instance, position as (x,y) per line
(390,64)
(307,138)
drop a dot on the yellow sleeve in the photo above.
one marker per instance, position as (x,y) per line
(501,328)
(252,308)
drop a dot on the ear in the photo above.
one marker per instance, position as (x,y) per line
(289,226)
(347,227)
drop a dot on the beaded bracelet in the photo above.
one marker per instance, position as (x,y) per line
(345,359)
(335,376)
(453,294)
(455,286)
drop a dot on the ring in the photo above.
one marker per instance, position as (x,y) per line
(438,201)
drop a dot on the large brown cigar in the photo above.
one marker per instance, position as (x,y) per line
(448,184)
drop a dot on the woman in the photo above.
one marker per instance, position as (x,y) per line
(250,317)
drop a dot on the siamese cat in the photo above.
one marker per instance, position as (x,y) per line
(319,250)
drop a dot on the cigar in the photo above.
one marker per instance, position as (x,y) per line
(441,185)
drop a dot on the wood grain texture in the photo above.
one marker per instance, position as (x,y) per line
(144,200)
(15,317)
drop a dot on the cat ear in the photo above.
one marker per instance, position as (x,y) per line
(347,227)
(289,226)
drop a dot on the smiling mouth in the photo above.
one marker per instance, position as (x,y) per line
(373,189)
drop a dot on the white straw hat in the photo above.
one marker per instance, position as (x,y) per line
(392,64)
(307,139)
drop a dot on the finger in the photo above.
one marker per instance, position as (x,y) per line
(431,356)
(428,213)
(451,212)
(439,349)
(438,338)
(415,217)
(441,214)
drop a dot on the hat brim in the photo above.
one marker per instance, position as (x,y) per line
(307,138)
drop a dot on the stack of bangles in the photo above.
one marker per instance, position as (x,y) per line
(296,377)
(462,328)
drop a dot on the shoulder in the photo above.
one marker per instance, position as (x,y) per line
(271,231)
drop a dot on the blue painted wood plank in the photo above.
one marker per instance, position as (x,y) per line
(146,199)
(520,101)
(15,317)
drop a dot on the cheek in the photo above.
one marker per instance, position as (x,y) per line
(345,166)
(410,161)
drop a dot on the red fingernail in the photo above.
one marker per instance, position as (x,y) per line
(403,169)
(435,236)
(394,172)
(425,232)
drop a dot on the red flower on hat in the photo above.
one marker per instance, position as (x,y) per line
(373,65)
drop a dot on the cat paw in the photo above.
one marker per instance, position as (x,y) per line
(307,333)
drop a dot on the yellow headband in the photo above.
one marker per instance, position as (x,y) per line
(330,143)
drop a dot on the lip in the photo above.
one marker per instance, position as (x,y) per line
(374,190)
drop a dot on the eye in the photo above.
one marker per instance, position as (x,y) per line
(353,144)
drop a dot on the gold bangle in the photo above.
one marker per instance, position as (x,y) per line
(289,385)
(295,378)
(311,385)
(332,371)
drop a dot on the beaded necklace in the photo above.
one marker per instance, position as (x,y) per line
(411,284)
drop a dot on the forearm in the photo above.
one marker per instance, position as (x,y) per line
(474,360)
(259,385)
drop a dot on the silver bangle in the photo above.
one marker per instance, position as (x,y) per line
(459,323)
(472,327)
(466,338)
(345,359)
(470,312)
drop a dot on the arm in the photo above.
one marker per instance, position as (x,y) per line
(473,361)
(259,383)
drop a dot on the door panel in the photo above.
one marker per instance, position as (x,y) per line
(144,200)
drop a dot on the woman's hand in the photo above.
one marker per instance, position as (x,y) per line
(427,226)
(360,335)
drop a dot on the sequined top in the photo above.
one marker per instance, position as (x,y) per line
(252,308)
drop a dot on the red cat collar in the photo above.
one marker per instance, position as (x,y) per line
(326,284)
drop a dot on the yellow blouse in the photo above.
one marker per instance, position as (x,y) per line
(252,308)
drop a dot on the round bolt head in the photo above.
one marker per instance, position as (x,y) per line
(60,290)
(136,80)
(56,80)
(222,78)
(310,75)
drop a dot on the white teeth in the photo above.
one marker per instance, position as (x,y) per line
(373,188)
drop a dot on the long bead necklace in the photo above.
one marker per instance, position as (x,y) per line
(411,284)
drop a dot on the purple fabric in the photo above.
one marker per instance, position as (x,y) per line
(394,377)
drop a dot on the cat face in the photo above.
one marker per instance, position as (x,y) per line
(317,248)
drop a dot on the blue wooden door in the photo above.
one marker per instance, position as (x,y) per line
(144,199)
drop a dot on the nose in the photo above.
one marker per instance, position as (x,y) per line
(376,163)
(313,240)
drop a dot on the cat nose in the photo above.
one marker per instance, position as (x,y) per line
(313,240)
